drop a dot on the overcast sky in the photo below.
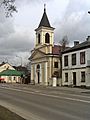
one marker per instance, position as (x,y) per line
(17,35)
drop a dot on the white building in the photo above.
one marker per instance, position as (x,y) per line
(76,64)
(5,66)
(8,74)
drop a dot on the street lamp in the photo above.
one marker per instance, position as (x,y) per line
(20,58)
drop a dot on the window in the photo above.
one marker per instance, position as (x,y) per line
(74,59)
(82,76)
(38,38)
(47,38)
(38,66)
(14,78)
(66,77)
(66,60)
(55,64)
(10,78)
(82,58)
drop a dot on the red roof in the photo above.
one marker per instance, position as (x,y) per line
(56,50)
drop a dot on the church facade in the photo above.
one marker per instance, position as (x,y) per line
(45,62)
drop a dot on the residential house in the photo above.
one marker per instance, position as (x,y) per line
(8,74)
(45,62)
(76,64)
(5,66)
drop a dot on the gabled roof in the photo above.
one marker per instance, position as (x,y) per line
(56,50)
(80,46)
(35,52)
(2,63)
(10,73)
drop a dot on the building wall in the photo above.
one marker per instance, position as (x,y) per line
(78,68)
(46,70)
(12,79)
(42,73)
(78,77)
(78,65)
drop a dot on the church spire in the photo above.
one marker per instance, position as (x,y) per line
(44,21)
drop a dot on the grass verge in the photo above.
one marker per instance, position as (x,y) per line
(6,114)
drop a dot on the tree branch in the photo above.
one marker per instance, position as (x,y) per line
(9,6)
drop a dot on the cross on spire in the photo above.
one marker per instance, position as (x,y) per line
(44,7)
(44,20)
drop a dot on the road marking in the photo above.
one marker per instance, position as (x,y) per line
(38,91)
(47,95)
(73,95)
(68,98)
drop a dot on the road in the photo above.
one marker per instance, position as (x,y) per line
(36,104)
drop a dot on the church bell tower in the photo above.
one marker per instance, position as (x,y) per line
(44,32)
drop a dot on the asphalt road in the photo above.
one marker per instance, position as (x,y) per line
(40,105)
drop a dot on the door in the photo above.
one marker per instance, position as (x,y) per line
(74,78)
(38,74)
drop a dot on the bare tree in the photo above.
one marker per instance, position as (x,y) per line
(63,45)
(9,6)
(64,42)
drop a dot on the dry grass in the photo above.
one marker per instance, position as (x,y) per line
(5,114)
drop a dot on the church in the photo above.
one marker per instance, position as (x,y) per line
(45,60)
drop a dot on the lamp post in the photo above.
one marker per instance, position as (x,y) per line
(20,59)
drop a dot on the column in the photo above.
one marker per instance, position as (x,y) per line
(40,73)
(32,78)
(46,77)
(50,67)
(35,74)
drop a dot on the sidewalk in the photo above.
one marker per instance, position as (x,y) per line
(71,89)
(50,89)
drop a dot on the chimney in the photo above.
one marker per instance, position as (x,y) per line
(76,43)
(88,38)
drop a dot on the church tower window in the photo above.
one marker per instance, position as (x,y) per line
(39,38)
(38,66)
(47,38)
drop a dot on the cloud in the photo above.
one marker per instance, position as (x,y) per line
(13,40)
(25,2)
(16,43)
(76,21)
(17,34)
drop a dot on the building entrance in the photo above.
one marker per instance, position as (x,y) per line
(74,78)
(38,73)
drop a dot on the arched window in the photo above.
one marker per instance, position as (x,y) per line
(38,38)
(47,38)
(38,66)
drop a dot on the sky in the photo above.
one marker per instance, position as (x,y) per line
(17,36)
